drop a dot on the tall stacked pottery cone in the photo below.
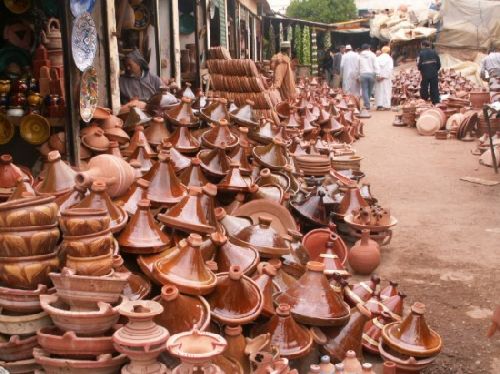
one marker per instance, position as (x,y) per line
(141,339)
(28,239)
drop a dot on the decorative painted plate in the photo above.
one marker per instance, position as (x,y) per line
(6,130)
(34,129)
(84,41)
(142,16)
(89,94)
(17,6)
(78,7)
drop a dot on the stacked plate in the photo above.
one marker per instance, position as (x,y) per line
(313,165)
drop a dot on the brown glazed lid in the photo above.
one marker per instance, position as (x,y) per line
(412,336)
(59,177)
(233,181)
(182,114)
(10,174)
(23,188)
(160,101)
(264,133)
(164,186)
(265,282)
(142,158)
(245,115)
(312,209)
(179,161)
(182,313)
(214,162)
(219,135)
(333,263)
(292,340)
(239,155)
(372,332)
(184,141)
(98,198)
(142,235)
(215,111)
(351,201)
(138,138)
(71,198)
(263,238)
(188,214)
(271,156)
(135,117)
(362,291)
(389,290)
(236,299)
(156,131)
(323,307)
(193,175)
(96,141)
(184,267)
(135,193)
(229,254)
(394,304)
(294,120)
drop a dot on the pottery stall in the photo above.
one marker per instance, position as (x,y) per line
(192,240)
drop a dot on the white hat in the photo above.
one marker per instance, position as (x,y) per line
(348,47)
(285,44)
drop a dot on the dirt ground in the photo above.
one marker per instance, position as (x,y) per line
(445,251)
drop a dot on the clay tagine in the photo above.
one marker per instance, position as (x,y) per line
(182,114)
(229,254)
(219,135)
(138,191)
(59,177)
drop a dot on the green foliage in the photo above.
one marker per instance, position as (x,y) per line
(326,11)
(327,42)
(306,46)
(297,43)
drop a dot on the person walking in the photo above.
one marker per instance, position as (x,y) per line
(327,66)
(383,85)
(490,65)
(336,63)
(283,79)
(428,63)
(368,69)
(349,69)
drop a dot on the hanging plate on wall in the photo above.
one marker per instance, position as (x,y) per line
(78,7)
(6,130)
(17,6)
(142,16)
(89,94)
(34,129)
(84,41)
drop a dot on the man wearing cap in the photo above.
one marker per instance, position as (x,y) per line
(428,63)
(368,69)
(138,82)
(284,79)
(383,85)
(336,63)
(349,69)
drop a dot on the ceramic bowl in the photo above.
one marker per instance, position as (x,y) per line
(83,221)
(18,348)
(23,301)
(97,244)
(28,241)
(29,211)
(93,265)
(27,272)
(26,324)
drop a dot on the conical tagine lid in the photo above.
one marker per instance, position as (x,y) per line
(183,141)
(215,111)
(236,299)
(182,114)
(135,193)
(193,176)
(156,131)
(323,307)
(219,135)
(233,181)
(271,156)
(138,138)
(265,282)
(229,254)
(59,177)
(245,116)
(179,161)
(215,162)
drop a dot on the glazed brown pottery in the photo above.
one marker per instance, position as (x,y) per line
(351,201)
(183,140)
(236,345)
(182,312)
(23,188)
(96,244)
(364,256)
(135,193)
(229,254)
(28,211)
(184,267)
(324,307)
(215,111)
(233,181)
(215,163)
(141,158)
(236,299)
(9,175)
(271,156)
(245,115)
(28,240)
(83,221)
(138,138)
(182,114)
(141,339)
(293,340)
(219,135)
(156,131)
(361,292)
(315,242)
(264,279)
(193,175)
(71,198)
(27,272)
(59,177)
(372,332)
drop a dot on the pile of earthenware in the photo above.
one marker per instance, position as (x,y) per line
(235,218)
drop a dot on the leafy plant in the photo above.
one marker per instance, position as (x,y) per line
(297,43)
(306,46)
(327,11)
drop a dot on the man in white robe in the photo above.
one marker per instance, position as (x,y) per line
(349,69)
(383,85)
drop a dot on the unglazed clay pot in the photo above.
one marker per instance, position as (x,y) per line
(27,272)
(17,348)
(351,363)
(28,240)
(29,211)
(141,339)
(83,221)
(364,256)
(156,131)
(182,313)
(9,175)
(219,135)
(23,301)
(116,172)
(23,189)
(27,324)
(59,177)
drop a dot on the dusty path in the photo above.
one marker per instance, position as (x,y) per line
(446,248)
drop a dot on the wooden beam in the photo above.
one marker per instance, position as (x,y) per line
(114,59)
(176,41)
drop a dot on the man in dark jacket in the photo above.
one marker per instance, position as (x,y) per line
(327,66)
(337,60)
(428,63)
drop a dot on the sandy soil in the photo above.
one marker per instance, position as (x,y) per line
(446,247)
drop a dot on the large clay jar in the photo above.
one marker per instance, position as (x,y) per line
(324,307)
(142,235)
(364,256)
(141,339)
(182,313)
(236,299)
(116,172)
(348,337)
(59,177)
(293,340)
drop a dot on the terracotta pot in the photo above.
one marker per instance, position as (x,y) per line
(59,177)
(364,256)
(26,324)
(351,363)
(96,244)
(156,131)
(66,343)
(83,221)
(182,114)
(71,198)
(93,265)
(219,135)
(23,188)
(193,175)
(17,348)
(9,174)
(84,292)
(351,201)
(116,172)
(23,301)
(229,254)
(84,323)
(135,193)
(28,241)
(29,211)
(27,272)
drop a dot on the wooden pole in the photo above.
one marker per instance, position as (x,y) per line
(114,59)
(176,41)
